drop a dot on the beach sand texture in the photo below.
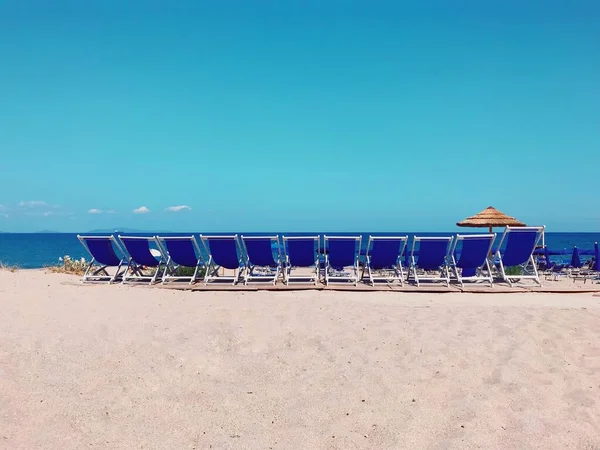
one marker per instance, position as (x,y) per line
(121,367)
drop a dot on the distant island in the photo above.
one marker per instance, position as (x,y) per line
(124,230)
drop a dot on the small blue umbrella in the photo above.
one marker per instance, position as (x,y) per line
(575,259)
(597,257)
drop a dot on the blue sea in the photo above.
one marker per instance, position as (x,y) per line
(36,250)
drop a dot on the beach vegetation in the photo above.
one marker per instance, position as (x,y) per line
(8,267)
(182,271)
(513,270)
(69,265)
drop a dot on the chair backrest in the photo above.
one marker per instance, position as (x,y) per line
(259,250)
(223,249)
(385,251)
(433,251)
(474,251)
(184,250)
(139,250)
(302,251)
(102,249)
(520,244)
(576,259)
(342,251)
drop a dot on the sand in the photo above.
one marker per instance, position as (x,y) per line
(125,367)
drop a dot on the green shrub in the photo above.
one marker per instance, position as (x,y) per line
(189,271)
(513,270)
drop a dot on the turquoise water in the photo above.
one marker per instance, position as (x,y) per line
(35,250)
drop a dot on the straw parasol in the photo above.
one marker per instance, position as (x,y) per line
(488,218)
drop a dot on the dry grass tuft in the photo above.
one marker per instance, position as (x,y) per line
(7,267)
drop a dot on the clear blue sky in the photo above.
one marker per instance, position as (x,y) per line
(298,115)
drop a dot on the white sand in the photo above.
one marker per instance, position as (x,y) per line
(115,367)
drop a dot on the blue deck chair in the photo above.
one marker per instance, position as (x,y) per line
(142,257)
(105,252)
(224,252)
(263,258)
(552,269)
(520,242)
(473,252)
(301,252)
(182,251)
(384,256)
(431,256)
(341,258)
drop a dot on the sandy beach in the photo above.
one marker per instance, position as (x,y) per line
(125,367)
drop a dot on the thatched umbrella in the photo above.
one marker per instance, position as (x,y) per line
(488,218)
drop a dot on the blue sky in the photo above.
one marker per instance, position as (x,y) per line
(298,115)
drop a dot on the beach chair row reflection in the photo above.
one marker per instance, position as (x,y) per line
(311,259)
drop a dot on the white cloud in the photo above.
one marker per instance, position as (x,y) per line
(101,211)
(47,213)
(178,208)
(141,210)
(32,203)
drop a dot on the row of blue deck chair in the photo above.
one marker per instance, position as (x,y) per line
(266,258)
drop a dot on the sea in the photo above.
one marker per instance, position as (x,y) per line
(37,250)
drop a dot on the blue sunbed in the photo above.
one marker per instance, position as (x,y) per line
(141,258)
(224,252)
(384,256)
(469,257)
(105,252)
(182,251)
(341,258)
(263,258)
(521,242)
(430,254)
(301,252)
